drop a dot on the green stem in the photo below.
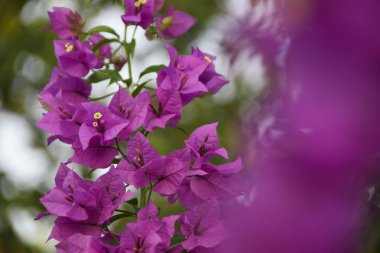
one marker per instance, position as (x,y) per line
(150,191)
(128,53)
(119,149)
(100,98)
(142,197)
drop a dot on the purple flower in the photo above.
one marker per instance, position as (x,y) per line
(63,121)
(104,51)
(147,166)
(97,134)
(183,75)
(96,155)
(76,57)
(204,144)
(66,23)
(80,203)
(64,87)
(100,124)
(185,195)
(133,110)
(215,186)
(81,244)
(212,80)
(148,233)
(139,12)
(168,110)
(174,23)
(140,153)
(201,226)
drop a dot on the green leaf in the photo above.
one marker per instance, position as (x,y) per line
(104,74)
(103,28)
(120,216)
(128,82)
(177,239)
(138,89)
(130,47)
(183,131)
(133,203)
(151,69)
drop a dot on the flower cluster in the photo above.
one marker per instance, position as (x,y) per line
(114,136)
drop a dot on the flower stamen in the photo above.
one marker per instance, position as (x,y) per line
(98,115)
(69,47)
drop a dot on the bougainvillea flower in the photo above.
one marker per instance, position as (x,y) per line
(76,57)
(76,198)
(65,23)
(210,78)
(64,87)
(66,227)
(81,202)
(174,23)
(139,12)
(139,154)
(183,74)
(148,233)
(63,121)
(104,51)
(139,237)
(168,110)
(167,174)
(145,166)
(225,169)
(215,186)
(96,155)
(185,195)
(133,110)
(204,144)
(158,5)
(201,226)
(81,244)
(100,124)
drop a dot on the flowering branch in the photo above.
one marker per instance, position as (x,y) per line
(85,209)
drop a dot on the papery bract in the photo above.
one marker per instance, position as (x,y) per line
(65,23)
(134,110)
(139,12)
(174,23)
(204,144)
(104,51)
(76,57)
(210,78)
(168,110)
(202,227)
(183,74)
(63,121)
(65,87)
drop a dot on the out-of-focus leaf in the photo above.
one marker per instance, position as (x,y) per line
(103,28)
(152,69)
(104,74)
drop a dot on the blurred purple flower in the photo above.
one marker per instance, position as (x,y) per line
(316,138)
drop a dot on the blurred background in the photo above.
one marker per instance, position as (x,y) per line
(28,166)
